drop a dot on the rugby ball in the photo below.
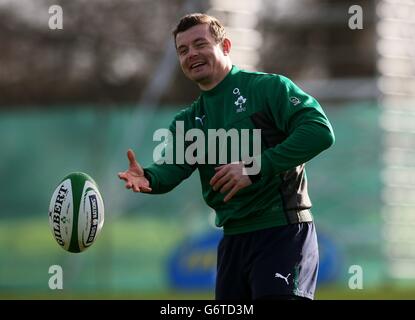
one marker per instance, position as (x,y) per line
(76,212)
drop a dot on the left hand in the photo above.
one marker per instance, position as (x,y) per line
(231,177)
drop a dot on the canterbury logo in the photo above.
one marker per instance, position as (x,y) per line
(295,100)
(279,275)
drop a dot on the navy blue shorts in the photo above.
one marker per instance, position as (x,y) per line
(279,261)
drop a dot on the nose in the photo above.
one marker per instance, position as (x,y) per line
(192,52)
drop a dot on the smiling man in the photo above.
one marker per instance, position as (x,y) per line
(204,55)
(269,248)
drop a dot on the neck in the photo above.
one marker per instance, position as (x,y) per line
(214,82)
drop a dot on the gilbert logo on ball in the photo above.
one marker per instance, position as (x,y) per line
(76,212)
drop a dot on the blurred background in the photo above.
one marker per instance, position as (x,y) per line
(76,98)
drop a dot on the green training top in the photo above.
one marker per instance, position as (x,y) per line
(294,129)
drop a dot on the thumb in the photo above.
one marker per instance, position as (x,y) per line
(133,162)
(131,158)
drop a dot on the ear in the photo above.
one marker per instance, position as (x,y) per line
(226,46)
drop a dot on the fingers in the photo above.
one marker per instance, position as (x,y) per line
(131,157)
(134,166)
(225,179)
(122,176)
(219,174)
(134,176)
(131,185)
(146,189)
(136,188)
(228,186)
(234,190)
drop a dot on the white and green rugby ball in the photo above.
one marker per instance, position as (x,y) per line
(76,212)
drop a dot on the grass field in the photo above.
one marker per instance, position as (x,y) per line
(126,250)
(383,293)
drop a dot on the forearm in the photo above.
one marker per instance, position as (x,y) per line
(306,142)
(164,177)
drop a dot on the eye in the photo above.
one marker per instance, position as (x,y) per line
(182,51)
(200,44)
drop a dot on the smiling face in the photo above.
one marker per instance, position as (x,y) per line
(201,58)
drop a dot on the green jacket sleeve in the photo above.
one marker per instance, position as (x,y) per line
(165,176)
(303,120)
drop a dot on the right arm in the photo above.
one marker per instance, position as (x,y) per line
(160,177)
(166,176)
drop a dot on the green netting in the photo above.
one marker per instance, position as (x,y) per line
(38,148)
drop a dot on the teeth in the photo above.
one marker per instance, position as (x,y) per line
(196,65)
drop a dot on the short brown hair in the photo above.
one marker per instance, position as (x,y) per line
(190,20)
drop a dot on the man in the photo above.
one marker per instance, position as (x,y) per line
(269,248)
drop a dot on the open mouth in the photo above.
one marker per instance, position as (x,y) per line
(196,65)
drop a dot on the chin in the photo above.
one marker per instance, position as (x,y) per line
(198,77)
(193,78)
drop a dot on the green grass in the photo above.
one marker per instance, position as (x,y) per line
(126,263)
(380,293)
(332,293)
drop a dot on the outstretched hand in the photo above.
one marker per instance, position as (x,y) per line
(134,176)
